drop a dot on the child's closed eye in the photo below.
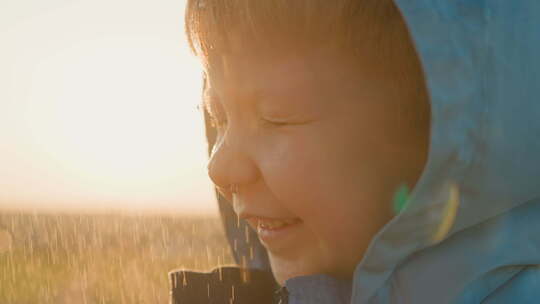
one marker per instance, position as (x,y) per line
(282,122)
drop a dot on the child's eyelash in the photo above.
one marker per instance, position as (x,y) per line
(219,122)
(218,119)
(274,123)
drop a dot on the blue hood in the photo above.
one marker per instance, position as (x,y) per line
(476,207)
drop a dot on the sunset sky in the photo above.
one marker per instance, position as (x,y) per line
(98,107)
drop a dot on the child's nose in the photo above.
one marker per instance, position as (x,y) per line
(230,164)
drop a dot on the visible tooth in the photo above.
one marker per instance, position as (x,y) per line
(271,224)
(274,224)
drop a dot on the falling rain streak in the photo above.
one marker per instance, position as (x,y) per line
(91,259)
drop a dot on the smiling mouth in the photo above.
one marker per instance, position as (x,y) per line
(262,223)
(276,234)
(274,224)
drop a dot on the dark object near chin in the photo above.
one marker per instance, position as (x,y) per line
(224,285)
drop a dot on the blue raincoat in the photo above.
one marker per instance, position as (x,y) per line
(471,229)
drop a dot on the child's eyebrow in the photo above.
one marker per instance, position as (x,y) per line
(210,102)
(207,101)
(285,94)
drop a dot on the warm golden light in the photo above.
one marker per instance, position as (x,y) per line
(100,108)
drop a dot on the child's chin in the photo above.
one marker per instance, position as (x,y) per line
(284,269)
(282,276)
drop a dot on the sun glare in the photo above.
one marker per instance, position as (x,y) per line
(100,113)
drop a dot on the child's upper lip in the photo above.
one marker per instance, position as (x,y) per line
(247,215)
(253,219)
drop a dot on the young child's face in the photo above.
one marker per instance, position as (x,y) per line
(317,140)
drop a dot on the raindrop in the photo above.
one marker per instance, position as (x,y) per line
(6,241)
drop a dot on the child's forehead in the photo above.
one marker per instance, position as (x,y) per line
(278,47)
(313,81)
(284,68)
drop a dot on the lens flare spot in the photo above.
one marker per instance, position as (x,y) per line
(449,214)
(401,198)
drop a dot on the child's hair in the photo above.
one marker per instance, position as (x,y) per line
(213,26)
(348,23)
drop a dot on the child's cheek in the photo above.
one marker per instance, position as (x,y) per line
(294,170)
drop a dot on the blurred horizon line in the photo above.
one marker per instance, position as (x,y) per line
(113,210)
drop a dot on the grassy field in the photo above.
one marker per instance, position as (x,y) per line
(86,259)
